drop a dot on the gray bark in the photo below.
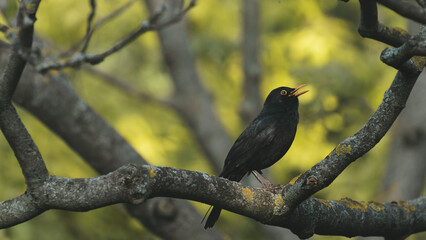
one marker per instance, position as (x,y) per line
(191,99)
(57,105)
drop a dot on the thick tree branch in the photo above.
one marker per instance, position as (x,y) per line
(19,139)
(406,46)
(396,57)
(350,149)
(406,9)
(233,196)
(11,74)
(135,184)
(103,148)
(370,27)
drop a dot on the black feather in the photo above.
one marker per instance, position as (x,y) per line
(264,141)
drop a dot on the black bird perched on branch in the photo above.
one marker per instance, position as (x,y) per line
(264,141)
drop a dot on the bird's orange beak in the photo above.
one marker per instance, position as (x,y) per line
(295,93)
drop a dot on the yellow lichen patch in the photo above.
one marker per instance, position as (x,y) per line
(419,61)
(325,202)
(352,204)
(278,203)
(405,205)
(343,149)
(376,206)
(247,194)
(152,174)
(294,179)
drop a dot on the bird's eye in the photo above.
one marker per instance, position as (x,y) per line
(283,92)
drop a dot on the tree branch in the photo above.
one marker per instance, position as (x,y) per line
(89,32)
(406,9)
(406,45)
(200,117)
(323,174)
(234,197)
(96,26)
(149,25)
(103,148)
(26,152)
(415,46)
(11,74)
(370,27)
(134,184)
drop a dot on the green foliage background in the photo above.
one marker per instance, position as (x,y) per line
(310,41)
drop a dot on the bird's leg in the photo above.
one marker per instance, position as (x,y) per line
(255,174)
(264,177)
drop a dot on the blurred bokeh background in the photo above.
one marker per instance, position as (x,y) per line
(312,41)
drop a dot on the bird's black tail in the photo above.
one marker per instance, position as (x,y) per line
(214,215)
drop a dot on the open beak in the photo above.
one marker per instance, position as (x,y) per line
(295,93)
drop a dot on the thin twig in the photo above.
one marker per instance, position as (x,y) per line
(101,22)
(89,32)
(146,26)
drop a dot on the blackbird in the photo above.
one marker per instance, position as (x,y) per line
(264,141)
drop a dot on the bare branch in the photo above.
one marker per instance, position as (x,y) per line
(96,26)
(112,15)
(19,139)
(11,74)
(89,32)
(370,27)
(323,174)
(23,146)
(134,184)
(407,46)
(416,46)
(148,25)
(79,126)
(406,9)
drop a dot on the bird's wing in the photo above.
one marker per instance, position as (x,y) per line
(255,138)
